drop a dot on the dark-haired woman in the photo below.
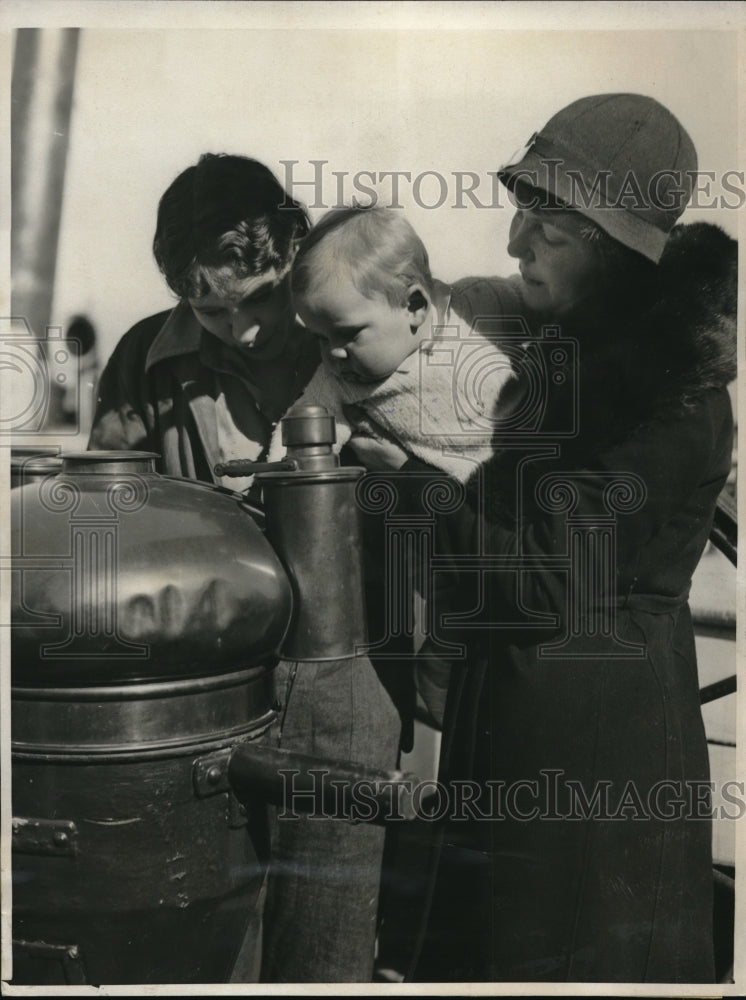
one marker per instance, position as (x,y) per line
(204,382)
(577,844)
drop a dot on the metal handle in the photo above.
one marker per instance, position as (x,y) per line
(242,467)
(329,788)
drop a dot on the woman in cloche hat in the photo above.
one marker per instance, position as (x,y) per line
(577,841)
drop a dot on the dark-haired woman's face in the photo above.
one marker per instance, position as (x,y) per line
(559,266)
(250,313)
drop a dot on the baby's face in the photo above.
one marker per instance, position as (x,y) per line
(362,339)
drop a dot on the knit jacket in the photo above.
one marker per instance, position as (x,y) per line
(442,403)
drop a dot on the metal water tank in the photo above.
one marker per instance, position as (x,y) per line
(146,611)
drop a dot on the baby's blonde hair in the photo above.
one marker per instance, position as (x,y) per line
(376,247)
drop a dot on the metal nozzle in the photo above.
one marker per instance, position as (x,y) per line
(309,432)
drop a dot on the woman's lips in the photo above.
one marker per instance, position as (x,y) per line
(529,280)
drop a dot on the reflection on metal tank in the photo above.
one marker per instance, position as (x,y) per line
(30,464)
(313,522)
(146,612)
(314,525)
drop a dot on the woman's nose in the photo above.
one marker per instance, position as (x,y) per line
(338,353)
(519,238)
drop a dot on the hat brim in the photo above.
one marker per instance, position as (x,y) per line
(619,222)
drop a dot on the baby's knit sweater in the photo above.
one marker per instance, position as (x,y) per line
(441,404)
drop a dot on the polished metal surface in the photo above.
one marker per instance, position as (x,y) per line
(164,719)
(313,522)
(28,469)
(314,525)
(108,463)
(146,613)
(34,451)
(125,575)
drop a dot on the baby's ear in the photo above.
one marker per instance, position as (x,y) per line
(418,304)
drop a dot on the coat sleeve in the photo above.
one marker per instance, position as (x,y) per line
(489,300)
(659,487)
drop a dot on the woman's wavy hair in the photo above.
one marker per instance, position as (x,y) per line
(225,212)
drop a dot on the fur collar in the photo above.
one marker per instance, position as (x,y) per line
(653,363)
(662,359)
(656,361)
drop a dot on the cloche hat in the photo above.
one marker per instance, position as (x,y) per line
(622,160)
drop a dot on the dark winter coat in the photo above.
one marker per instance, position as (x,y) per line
(576,704)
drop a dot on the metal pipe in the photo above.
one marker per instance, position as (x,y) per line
(42,94)
(335,790)
(724,533)
(313,522)
(718,689)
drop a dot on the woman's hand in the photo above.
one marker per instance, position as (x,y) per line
(375,449)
